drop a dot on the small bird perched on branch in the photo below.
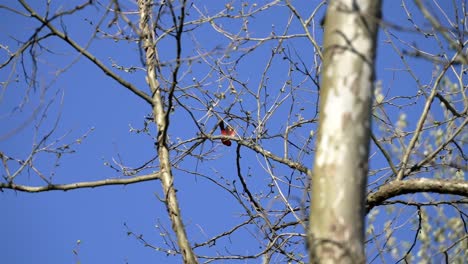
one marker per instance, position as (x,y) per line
(226,131)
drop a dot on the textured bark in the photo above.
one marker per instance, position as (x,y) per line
(161,120)
(395,188)
(341,163)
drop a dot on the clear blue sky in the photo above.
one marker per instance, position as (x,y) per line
(45,227)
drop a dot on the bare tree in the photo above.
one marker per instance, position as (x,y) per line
(255,69)
(341,164)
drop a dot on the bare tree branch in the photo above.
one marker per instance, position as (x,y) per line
(396,188)
(79,185)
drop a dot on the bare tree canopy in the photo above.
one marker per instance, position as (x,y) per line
(234,117)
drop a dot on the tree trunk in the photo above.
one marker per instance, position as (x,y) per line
(160,119)
(341,163)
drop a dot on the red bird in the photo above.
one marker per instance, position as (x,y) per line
(226,132)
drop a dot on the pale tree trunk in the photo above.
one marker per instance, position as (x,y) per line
(162,122)
(339,180)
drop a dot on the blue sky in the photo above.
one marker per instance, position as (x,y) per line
(45,227)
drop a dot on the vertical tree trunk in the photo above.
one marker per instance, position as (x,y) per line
(167,178)
(340,170)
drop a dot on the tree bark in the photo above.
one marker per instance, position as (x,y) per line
(161,121)
(341,164)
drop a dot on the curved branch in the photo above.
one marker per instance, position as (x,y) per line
(88,55)
(396,188)
(250,144)
(79,185)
